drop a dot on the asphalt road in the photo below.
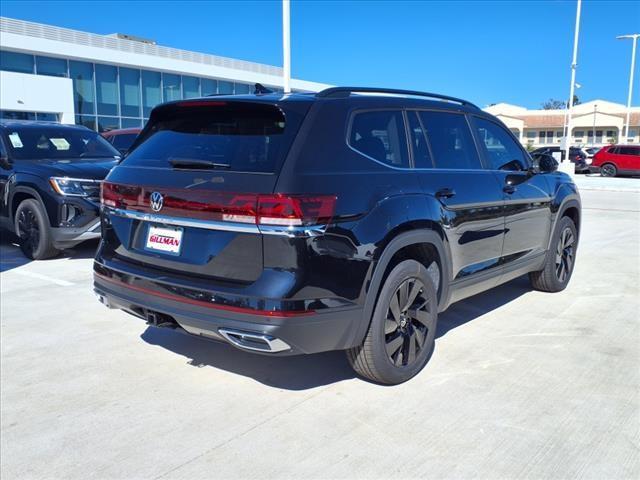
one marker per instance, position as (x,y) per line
(522,384)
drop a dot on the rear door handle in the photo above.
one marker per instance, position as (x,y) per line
(445,193)
(509,189)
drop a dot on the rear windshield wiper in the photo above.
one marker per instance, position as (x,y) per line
(196,163)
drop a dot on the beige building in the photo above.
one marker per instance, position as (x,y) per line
(594,123)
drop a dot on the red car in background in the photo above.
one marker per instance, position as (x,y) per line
(615,160)
(122,139)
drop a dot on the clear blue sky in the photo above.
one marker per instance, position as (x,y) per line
(488,52)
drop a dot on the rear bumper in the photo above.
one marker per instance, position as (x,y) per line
(289,334)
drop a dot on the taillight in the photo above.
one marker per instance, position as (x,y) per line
(117,195)
(250,208)
(295,210)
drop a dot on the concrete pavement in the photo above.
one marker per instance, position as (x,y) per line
(522,384)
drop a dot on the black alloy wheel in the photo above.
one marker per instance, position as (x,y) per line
(402,332)
(608,170)
(408,323)
(28,231)
(32,230)
(559,260)
(565,254)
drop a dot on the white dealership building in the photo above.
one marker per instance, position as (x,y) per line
(595,123)
(111,81)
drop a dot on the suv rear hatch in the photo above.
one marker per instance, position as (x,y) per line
(186,200)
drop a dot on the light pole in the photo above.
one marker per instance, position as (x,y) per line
(634,37)
(286,46)
(574,64)
(593,136)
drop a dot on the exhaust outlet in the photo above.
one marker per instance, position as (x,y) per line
(161,320)
(102,299)
(258,342)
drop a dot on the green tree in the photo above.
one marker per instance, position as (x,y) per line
(553,104)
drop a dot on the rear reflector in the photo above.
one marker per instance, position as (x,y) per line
(277,209)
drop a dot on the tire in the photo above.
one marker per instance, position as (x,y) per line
(401,336)
(560,261)
(33,231)
(608,170)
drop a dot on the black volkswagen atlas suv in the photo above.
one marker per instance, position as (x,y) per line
(50,184)
(342,220)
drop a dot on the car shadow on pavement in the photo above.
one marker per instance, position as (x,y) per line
(473,307)
(302,372)
(11,257)
(299,372)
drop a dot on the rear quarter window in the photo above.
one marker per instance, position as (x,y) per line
(380,135)
(234,136)
(629,150)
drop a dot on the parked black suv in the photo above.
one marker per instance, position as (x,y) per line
(50,184)
(289,224)
(577,156)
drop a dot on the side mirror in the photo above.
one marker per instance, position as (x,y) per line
(543,163)
(4,161)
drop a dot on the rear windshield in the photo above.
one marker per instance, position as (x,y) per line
(37,143)
(245,137)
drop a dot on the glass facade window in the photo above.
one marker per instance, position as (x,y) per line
(151,91)
(108,123)
(47,117)
(107,89)
(190,87)
(209,87)
(13,115)
(171,87)
(130,92)
(40,116)
(243,88)
(131,123)
(54,67)
(225,87)
(83,95)
(108,96)
(16,62)
(87,121)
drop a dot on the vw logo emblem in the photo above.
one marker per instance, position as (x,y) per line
(156,201)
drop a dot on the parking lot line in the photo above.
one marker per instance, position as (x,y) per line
(26,273)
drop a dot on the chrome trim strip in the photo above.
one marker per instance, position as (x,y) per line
(184,222)
(241,340)
(293,232)
(287,231)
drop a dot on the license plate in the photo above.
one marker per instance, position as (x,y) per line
(164,239)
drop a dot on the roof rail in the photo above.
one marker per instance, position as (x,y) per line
(343,92)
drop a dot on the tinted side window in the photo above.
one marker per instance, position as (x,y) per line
(500,149)
(421,156)
(124,140)
(451,142)
(629,150)
(381,136)
(613,150)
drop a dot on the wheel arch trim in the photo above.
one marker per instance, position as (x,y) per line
(24,189)
(394,246)
(570,202)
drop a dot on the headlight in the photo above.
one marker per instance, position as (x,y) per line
(73,187)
